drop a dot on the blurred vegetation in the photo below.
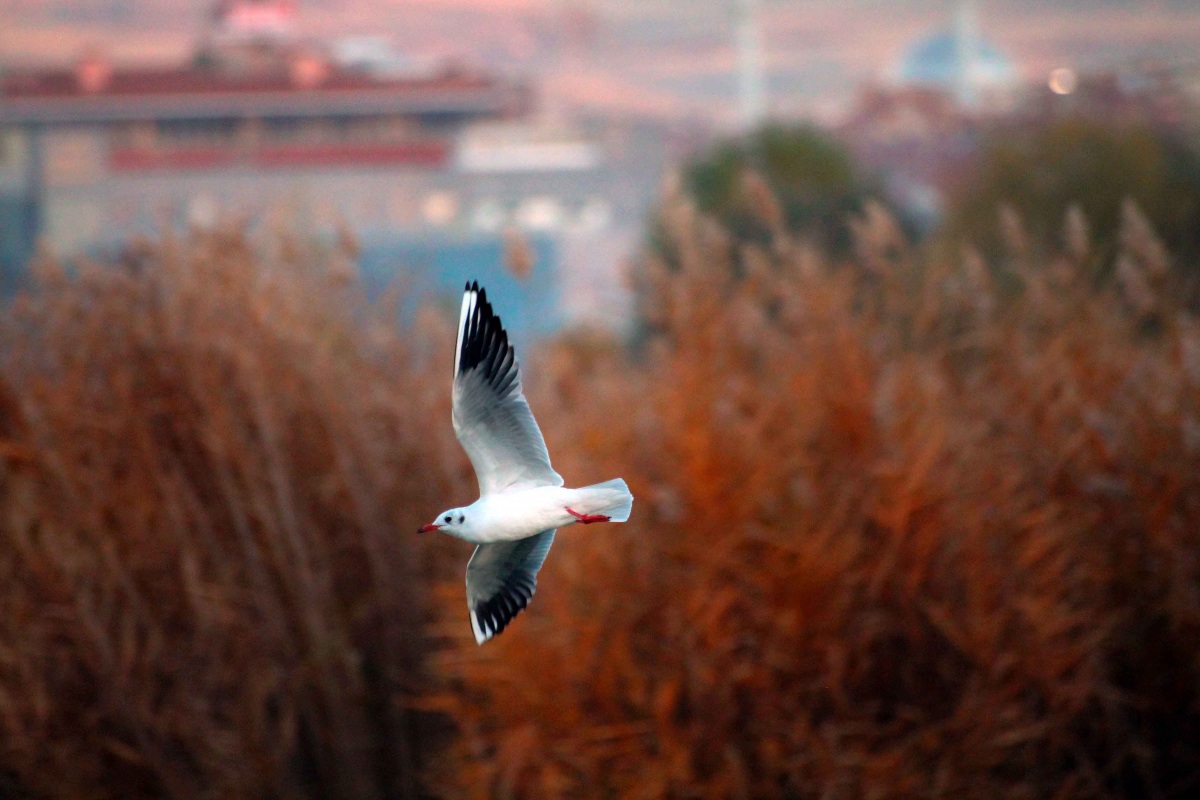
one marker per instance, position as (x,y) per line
(797,179)
(1089,165)
(898,533)
(205,455)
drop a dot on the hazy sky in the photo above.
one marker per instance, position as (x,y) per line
(672,56)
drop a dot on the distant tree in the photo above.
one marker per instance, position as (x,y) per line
(1088,165)
(797,177)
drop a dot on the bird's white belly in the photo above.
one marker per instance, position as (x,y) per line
(511,515)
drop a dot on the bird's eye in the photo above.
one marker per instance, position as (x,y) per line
(461,517)
(447,518)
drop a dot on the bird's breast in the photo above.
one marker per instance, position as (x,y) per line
(518,514)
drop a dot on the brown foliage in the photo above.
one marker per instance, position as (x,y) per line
(206,455)
(897,534)
(903,528)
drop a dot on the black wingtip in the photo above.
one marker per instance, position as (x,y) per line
(485,345)
(495,614)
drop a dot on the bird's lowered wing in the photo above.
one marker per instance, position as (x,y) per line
(501,580)
(491,417)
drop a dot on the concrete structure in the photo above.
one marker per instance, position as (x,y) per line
(433,167)
(97,152)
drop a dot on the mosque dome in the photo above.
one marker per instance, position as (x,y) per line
(942,60)
(959,60)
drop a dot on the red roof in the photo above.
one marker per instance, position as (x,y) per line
(64,83)
(59,95)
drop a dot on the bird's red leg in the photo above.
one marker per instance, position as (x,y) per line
(588,519)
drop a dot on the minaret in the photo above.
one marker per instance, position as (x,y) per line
(752,95)
(966,46)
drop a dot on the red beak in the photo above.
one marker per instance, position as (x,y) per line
(428,528)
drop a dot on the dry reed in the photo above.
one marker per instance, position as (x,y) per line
(898,534)
(904,527)
(207,453)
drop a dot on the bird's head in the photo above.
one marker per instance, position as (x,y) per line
(450,522)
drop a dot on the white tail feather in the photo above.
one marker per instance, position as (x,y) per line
(611,498)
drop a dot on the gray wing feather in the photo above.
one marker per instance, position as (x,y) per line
(501,580)
(491,416)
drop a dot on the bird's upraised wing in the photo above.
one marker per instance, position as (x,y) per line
(501,580)
(491,417)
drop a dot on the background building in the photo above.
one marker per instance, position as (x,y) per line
(435,167)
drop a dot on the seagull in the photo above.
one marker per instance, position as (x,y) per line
(522,500)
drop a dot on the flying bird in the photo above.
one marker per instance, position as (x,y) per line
(522,500)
